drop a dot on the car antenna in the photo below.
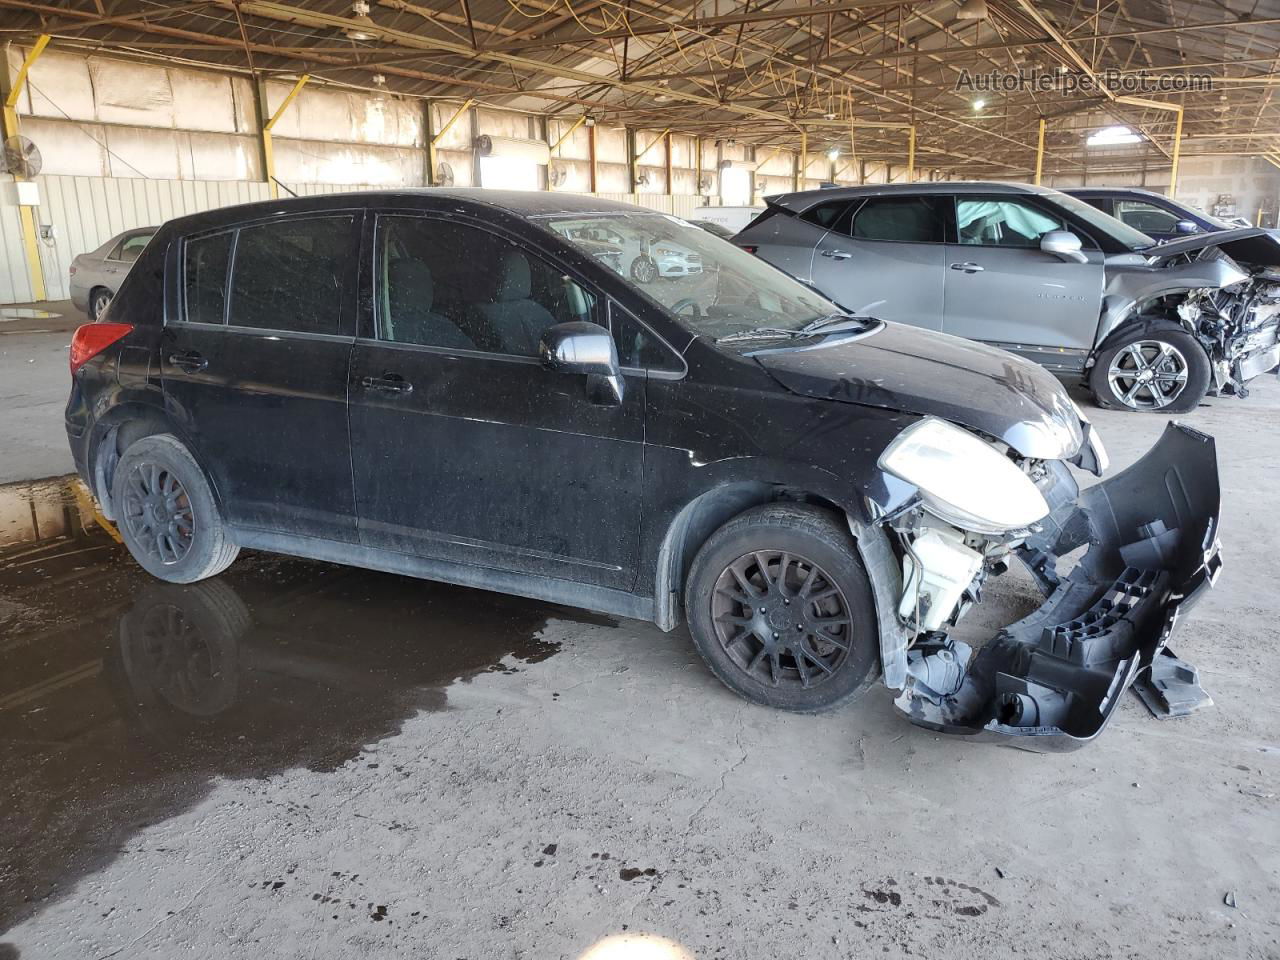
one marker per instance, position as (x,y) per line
(283,187)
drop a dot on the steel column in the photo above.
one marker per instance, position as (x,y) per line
(30,241)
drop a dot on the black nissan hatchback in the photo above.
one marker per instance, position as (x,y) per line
(469,386)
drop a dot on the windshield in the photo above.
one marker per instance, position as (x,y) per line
(716,288)
(1131,238)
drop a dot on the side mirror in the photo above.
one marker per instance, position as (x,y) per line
(1064,245)
(585,348)
(1186,226)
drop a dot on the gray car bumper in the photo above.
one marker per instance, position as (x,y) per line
(1053,680)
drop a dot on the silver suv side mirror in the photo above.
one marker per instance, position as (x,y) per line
(1064,245)
(585,348)
(1186,226)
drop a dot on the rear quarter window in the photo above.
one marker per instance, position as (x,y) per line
(204,271)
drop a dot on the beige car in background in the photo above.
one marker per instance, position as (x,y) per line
(97,275)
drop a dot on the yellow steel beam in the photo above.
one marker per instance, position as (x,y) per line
(911,155)
(1040,152)
(11,101)
(802,161)
(656,140)
(568,133)
(595,170)
(30,242)
(268,148)
(434,141)
(1177,154)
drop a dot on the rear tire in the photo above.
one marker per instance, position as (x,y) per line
(781,609)
(99,300)
(644,270)
(1151,369)
(166,512)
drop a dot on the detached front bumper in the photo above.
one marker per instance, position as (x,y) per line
(1052,680)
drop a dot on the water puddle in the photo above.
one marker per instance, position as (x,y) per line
(122,697)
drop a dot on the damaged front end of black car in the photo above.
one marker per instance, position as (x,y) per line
(1052,681)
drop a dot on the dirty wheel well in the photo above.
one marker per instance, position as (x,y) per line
(111,444)
(702,517)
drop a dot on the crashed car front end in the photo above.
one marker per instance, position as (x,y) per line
(1052,680)
(1222,288)
(1239,328)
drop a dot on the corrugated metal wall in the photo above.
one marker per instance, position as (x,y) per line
(86,212)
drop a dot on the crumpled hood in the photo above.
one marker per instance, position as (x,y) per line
(931,374)
(1250,245)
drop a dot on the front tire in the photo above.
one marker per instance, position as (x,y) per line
(1154,369)
(168,517)
(781,609)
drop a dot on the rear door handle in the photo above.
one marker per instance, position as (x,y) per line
(190,362)
(967,267)
(836,254)
(389,383)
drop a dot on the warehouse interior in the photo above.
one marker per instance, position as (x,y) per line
(300,758)
(144,111)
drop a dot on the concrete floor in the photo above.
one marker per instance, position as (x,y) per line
(299,760)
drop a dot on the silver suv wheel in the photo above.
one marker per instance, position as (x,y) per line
(1148,374)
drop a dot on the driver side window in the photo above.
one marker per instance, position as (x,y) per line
(1002,223)
(441,283)
(1146,217)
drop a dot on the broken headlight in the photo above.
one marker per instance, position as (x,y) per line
(963,480)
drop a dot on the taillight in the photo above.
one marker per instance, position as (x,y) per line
(92,338)
(749,249)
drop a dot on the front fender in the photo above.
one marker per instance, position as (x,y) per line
(1128,288)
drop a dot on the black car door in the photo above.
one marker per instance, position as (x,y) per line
(254,363)
(465,448)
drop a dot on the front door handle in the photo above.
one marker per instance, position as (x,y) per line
(836,254)
(189,362)
(967,267)
(388,382)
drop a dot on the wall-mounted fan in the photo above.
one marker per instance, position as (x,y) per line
(642,179)
(704,185)
(21,157)
(557,175)
(444,174)
(761,184)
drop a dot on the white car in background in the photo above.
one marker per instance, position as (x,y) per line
(641,260)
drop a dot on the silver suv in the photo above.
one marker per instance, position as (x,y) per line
(1147,326)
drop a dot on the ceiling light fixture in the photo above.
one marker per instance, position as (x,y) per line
(834,154)
(972,10)
(978,105)
(362,25)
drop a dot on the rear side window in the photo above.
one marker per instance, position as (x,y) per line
(129,248)
(205,277)
(904,219)
(825,214)
(289,275)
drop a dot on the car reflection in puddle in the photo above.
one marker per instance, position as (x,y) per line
(122,698)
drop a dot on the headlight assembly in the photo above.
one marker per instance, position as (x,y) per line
(964,480)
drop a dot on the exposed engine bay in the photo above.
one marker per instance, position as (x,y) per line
(1052,680)
(1238,325)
